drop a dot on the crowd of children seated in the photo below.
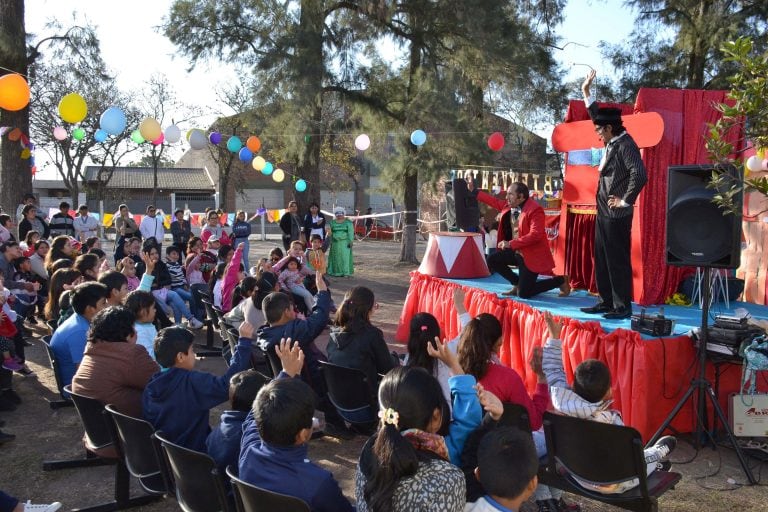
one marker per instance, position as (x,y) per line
(438,440)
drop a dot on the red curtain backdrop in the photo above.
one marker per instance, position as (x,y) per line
(580,255)
(649,376)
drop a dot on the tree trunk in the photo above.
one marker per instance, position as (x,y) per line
(310,69)
(411,204)
(15,173)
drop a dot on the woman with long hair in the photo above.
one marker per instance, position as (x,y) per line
(88,266)
(478,356)
(407,465)
(355,342)
(61,248)
(61,280)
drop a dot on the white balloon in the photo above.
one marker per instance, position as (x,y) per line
(754,164)
(172,134)
(362,142)
(197,139)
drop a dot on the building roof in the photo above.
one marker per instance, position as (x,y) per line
(168,178)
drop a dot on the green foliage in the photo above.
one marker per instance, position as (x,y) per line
(675,43)
(744,120)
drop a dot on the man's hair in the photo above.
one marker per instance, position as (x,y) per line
(521,188)
(28,196)
(506,462)
(138,300)
(113,280)
(87,294)
(82,207)
(282,409)
(243,388)
(172,248)
(169,342)
(28,207)
(111,324)
(63,205)
(274,305)
(592,380)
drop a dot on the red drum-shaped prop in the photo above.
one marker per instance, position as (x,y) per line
(454,256)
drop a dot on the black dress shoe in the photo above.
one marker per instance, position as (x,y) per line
(597,308)
(618,314)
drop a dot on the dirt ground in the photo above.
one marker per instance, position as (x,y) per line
(712,480)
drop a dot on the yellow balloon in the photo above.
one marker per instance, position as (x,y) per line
(278,175)
(25,154)
(72,108)
(258,163)
(150,129)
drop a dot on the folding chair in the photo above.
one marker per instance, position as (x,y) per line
(350,393)
(249,498)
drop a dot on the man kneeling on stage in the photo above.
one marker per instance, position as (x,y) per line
(529,251)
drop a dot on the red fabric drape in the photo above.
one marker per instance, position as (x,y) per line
(686,114)
(649,376)
(580,247)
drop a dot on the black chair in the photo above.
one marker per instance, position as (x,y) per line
(603,454)
(65,400)
(211,322)
(269,362)
(249,498)
(141,451)
(52,324)
(100,437)
(350,393)
(199,485)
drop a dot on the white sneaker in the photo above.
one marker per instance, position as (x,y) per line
(661,450)
(33,507)
(194,323)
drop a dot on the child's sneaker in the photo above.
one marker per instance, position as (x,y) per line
(11,364)
(661,450)
(34,507)
(25,371)
(194,323)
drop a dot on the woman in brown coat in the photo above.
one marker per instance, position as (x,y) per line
(114,369)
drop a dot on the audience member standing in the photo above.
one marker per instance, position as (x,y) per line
(85,225)
(342,235)
(181,231)
(241,230)
(290,224)
(152,227)
(32,221)
(314,222)
(62,223)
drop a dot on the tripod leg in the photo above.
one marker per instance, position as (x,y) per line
(672,414)
(731,437)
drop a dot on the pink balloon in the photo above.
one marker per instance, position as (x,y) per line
(362,142)
(59,133)
(159,140)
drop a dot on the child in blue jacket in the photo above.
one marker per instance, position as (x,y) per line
(178,399)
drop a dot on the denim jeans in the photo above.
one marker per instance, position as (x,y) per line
(198,304)
(187,297)
(180,309)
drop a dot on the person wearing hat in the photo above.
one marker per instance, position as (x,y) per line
(342,234)
(621,178)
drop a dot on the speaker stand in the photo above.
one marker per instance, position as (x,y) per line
(701,385)
(718,284)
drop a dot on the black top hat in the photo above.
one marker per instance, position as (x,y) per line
(607,116)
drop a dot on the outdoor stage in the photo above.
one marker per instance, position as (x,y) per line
(649,374)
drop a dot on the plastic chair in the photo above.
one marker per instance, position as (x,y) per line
(601,453)
(141,452)
(100,436)
(249,498)
(211,322)
(350,393)
(199,485)
(65,400)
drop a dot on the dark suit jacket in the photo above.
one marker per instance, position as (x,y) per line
(623,174)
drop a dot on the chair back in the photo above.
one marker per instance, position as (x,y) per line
(210,311)
(249,498)
(349,391)
(98,432)
(234,337)
(54,366)
(139,449)
(515,415)
(52,324)
(199,485)
(575,444)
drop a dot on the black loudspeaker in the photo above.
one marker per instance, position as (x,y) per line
(462,210)
(699,232)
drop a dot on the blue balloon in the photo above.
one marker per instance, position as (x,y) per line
(418,137)
(268,168)
(245,155)
(234,144)
(100,135)
(112,121)
(215,138)
(301,186)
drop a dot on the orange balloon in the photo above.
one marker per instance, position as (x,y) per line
(253,143)
(14,92)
